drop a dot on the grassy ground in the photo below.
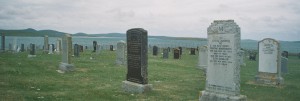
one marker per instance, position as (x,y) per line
(27,79)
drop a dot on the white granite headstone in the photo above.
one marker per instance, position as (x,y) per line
(202,63)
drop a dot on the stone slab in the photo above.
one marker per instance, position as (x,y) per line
(64,67)
(208,96)
(132,87)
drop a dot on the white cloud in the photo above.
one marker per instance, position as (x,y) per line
(277,19)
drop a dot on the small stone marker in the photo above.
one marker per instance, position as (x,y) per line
(76,50)
(165,53)
(176,53)
(32,51)
(269,71)
(203,55)
(50,49)
(65,65)
(285,54)
(94,46)
(223,71)
(137,58)
(284,62)
(121,53)
(193,51)
(155,50)
(46,44)
(111,47)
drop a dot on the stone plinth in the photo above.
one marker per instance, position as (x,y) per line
(268,79)
(132,87)
(64,67)
(209,96)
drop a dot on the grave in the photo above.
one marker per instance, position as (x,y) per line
(252,56)
(176,53)
(165,53)
(223,71)
(58,45)
(65,65)
(76,50)
(193,51)
(203,55)
(94,46)
(155,50)
(241,54)
(285,54)
(121,53)
(50,49)
(180,50)
(269,71)
(2,42)
(32,51)
(111,47)
(46,44)
(137,62)
(22,48)
(284,67)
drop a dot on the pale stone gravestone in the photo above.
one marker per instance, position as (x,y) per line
(284,62)
(95,46)
(32,51)
(50,49)
(193,51)
(203,55)
(98,49)
(22,48)
(111,48)
(176,53)
(58,45)
(76,50)
(121,53)
(165,53)
(155,50)
(65,65)
(46,44)
(137,62)
(223,71)
(269,71)
(241,57)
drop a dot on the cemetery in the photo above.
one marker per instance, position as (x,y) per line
(217,71)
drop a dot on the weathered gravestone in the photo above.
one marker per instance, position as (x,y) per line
(10,47)
(137,62)
(223,71)
(50,49)
(284,62)
(193,51)
(155,50)
(203,55)
(22,48)
(94,46)
(165,53)
(176,53)
(3,42)
(58,45)
(76,50)
(32,51)
(65,65)
(46,44)
(269,71)
(121,53)
(180,50)
(81,48)
(111,47)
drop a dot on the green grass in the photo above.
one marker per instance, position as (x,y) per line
(27,79)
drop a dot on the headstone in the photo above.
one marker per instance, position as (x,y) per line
(169,49)
(14,48)
(65,65)
(121,53)
(137,62)
(299,55)
(284,67)
(269,71)
(241,54)
(165,53)
(252,56)
(22,48)
(94,46)
(81,48)
(203,55)
(58,45)
(32,51)
(50,49)
(193,51)
(180,50)
(46,44)
(176,53)
(111,48)
(223,71)
(285,54)
(155,49)
(3,42)
(86,47)
(10,47)
(98,49)
(76,50)
(53,48)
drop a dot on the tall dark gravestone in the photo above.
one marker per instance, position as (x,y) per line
(137,62)
(94,46)
(32,51)
(111,48)
(176,53)
(76,50)
(193,51)
(22,47)
(180,50)
(3,42)
(155,49)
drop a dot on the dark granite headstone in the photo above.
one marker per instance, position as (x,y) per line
(285,54)
(176,53)
(94,46)
(180,50)
(155,49)
(111,48)
(3,42)
(76,50)
(166,53)
(137,42)
(22,47)
(53,47)
(32,49)
(193,51)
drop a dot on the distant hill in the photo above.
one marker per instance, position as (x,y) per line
(32,32)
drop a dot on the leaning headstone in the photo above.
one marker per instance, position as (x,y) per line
(95,46)
(193,51)
(32,51)
(203,55)
(137,62)
(50,49)
(46,44)
(65,65)
(176,53)
(121,53)
(284,62)
(155,49)
(269,71)
(223,71)
(22,48)
(165,53)
(3,42)
(76,50)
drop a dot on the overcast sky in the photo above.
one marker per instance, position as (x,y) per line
(258,19)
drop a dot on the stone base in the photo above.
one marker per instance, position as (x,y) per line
(132,87)
(210,96)
(269,79)
(30,56)
(64,67)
